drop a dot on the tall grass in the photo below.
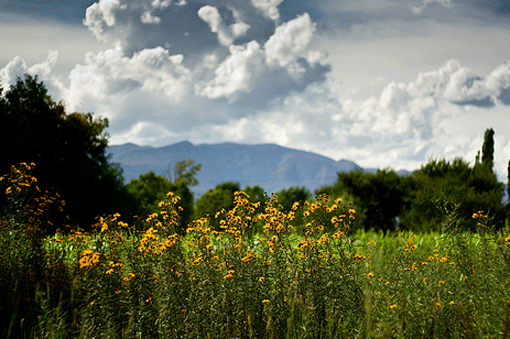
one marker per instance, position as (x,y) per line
(306,273)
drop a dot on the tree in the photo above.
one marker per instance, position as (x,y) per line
(68,150)
(379,196)
(508,183)
(256,194)
(287,197)
(216,199)
(473,188)
(150,189)
(184,172)
(488,148)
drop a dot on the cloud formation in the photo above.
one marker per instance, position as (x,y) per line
(252,71)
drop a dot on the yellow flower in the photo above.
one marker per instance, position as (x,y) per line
(8,190)
(110,271)
(441,282)
(452,303)
(265,301)
(370,274)
(393,306)
(438,304)
(262,279)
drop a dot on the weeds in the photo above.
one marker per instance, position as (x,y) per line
(306,273)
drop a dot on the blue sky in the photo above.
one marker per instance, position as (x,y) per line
(384,83)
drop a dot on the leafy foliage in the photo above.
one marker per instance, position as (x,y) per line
(473,188)
(488,149)
(185,173)
(379,196)
(287,197)
(325,282)
(216,199)
(69,150)
(149,189)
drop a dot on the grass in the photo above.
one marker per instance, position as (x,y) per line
(305,273)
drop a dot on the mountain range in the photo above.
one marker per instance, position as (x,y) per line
(269,166)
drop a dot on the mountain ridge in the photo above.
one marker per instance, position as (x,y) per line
(270,166)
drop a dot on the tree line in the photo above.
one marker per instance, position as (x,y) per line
(69,153)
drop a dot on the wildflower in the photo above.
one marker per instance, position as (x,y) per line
(110,271)
(441,282)
(265,301)
(129,276)
(370,274)
(425,279)
(393,306)
(452,303)
(230,274)
(424,263)
(262,279)
(359,256)
(438,304)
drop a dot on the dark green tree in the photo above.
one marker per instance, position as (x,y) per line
(488,149)
(68,150)
(473,188)
(379,196)
(256,194)
(287,197)
(508,183)
(216,199)
(149,189)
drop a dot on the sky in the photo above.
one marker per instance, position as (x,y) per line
(383,83)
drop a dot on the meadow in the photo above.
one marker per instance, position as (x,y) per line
(254,271)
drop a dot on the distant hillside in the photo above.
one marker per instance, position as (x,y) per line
(270,166)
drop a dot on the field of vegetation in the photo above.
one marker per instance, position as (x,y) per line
(374,255)
(255,270)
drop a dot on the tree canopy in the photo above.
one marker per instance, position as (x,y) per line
(68,150)
(149,189)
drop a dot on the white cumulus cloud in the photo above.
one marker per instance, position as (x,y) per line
(290,41)
(226,33)
(236,73)
(108,79)
(268,7)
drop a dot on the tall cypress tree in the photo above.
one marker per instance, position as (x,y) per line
(488,149)
(508,183)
